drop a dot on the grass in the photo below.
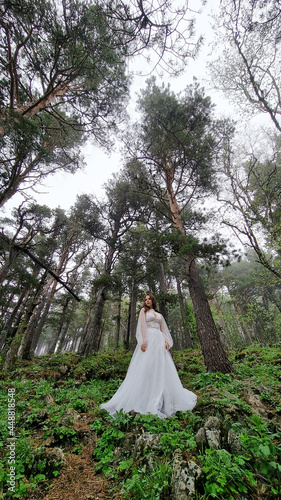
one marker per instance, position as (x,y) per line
(54,392)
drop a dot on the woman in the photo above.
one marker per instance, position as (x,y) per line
(152,384)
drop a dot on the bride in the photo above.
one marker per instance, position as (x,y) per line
(152,384)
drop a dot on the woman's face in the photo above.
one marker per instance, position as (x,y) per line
(148,301)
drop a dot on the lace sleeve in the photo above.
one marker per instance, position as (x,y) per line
(141,328)
(166,332)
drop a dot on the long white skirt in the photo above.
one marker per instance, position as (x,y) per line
(152,384)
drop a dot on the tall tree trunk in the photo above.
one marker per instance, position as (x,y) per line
(245,333)
(59,330)
(26,351)
(62,340)
(92,341)
(4,271)
(118,321)
(31,341)
(29,332)
(8,326)
(23,298)
(163,288)
(215,358)
(133,313)
(86,327)
(16,342)
(14,347)
(77,341)
(5,308)
(127,338)
(187,337)
(40,349)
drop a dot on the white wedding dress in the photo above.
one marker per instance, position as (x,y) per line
(152,384)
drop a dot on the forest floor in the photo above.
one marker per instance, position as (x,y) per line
(68,449)
(78,480)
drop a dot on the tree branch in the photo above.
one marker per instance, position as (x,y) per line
(39,262)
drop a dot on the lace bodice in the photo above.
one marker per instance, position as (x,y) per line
(153,319)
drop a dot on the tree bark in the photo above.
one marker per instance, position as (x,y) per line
(29,344)
(92,341)
(118,321)
(8,326)
(21,248)
(29,332)
(187,337)
(215,358)
(133,314)
(63,339)
(61,323)
(4,271)
(163,288)
(86,327)
(14,347)
(127,339)
(26,348)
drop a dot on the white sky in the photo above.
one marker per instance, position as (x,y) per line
(62,188)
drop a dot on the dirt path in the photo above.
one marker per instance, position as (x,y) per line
(78,480)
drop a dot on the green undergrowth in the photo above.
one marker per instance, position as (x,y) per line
(52,393)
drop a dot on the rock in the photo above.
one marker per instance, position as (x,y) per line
(257,406)
(146,441)
(180,366)
(262,388)
(201,440)
(56,455)
(241,355)
(213,432)
(63,369)
(128,445)
(232,410)
(184,475)
(148,463)
(70,417)
(233,443)
(210,435)
(253,399)
(53,458)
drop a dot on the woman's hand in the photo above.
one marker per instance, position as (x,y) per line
(143,347)
(167,345)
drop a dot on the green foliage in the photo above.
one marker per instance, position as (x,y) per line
(32,467)
(104,451)
(226,475)
(175,432)
(105,366)
(61,434)
(214,379)
(263,451)
(154,484)
(49,411)
(247,302)
(191,321)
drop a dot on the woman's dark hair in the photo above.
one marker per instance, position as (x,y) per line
(153,300)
